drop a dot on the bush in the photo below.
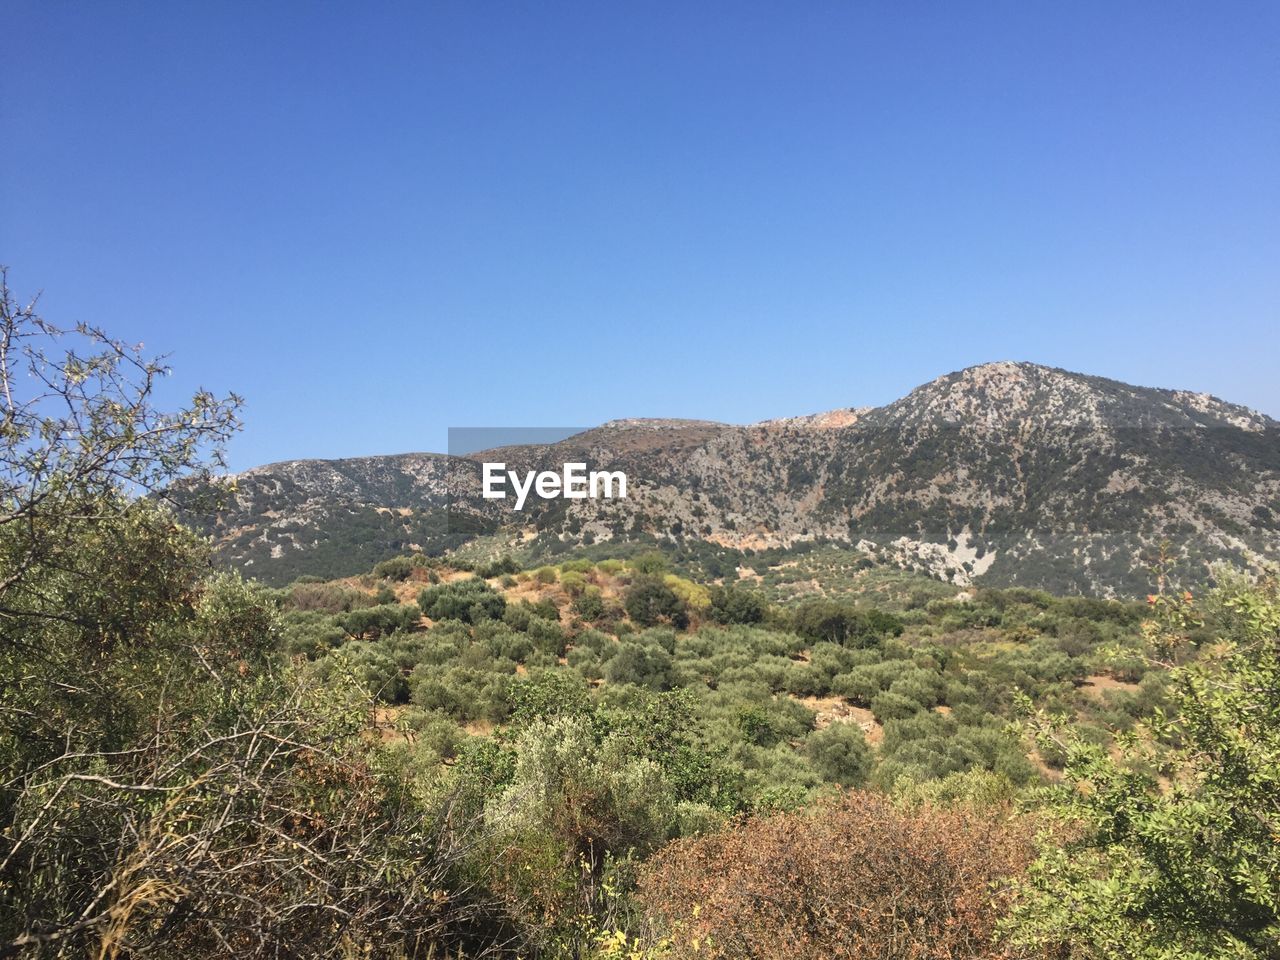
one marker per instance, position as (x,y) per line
(377,671)
(397,568)
(734,605)
(465,695)
(1190,869)
(649,564)
(649,601)
(862,684)
(893,706)
(502,567)
(856,877)
(840,754)
(546,636)
(844,624)
(325,597)
(643,664)
(573,583)
(590,606)
(370,623)
(470,601)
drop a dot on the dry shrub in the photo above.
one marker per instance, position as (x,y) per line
(281,832)
(855,877)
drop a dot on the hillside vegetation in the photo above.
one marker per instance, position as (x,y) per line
(604,758)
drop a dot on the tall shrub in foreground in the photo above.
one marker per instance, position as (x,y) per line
(167,786)
(856,877)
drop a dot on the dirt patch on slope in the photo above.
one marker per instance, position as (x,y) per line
(838,710)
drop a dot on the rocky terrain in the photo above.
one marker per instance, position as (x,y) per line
(1006,473)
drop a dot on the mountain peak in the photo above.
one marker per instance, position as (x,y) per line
(827,420)
(1003,473)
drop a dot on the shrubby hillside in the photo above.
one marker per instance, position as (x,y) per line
(792,697)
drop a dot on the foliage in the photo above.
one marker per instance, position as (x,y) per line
(193,764)
(194,840)
(470,601)
(735,605)
(650,601)
(167,787)
(1188,867)
(844,624)
(590,606)
(840,754)
(855,877)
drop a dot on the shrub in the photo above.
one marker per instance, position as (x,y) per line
(925,687)
(803,681)
(862,684)
(893,706)
(844,624)
(649,601)
(370,623)
(505,566)
(1191,869)
(546,636)
(857,877)
(397,568)
(470,601)
(325,597)
(840,754)
(649,564)
(643,664)
(472,687)
(693,596)
(590,606)
(756,727)
(734,605)
(546,694)
(377,671)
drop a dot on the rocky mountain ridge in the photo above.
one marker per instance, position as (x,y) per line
(1008,473)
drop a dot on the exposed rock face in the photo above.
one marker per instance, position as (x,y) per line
(1007,473)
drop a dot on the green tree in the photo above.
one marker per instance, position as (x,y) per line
(590,606)
(649,602)
(471,601)
(734,605)
(840,754)
(843,623)
(649,564)
(1191,868)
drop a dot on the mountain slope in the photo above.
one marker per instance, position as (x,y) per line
(1008,473)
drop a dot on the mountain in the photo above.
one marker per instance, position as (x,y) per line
(1006,473)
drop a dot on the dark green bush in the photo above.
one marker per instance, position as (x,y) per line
(735,605)
(840,754)
(470,601)
(649,601)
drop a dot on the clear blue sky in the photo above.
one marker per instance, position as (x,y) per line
(376,221)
